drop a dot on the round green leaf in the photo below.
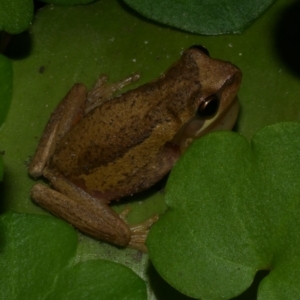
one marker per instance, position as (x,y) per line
(233,209)
(33,250)
(205,17)
(15,15)
(37,262)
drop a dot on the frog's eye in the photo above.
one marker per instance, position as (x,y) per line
(209,106)
(201,48)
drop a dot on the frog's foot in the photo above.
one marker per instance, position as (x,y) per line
(139,232)
(103,91)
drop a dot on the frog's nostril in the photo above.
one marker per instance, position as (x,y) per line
(201,48)
(209,106)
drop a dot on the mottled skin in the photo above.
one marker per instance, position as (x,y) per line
(128,143)
(129,137)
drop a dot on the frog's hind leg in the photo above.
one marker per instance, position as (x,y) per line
(88,214)
(103,91)
(68,112)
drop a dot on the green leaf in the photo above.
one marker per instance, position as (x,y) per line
(68,2)
(233,210)
(33,250)
(6,85)
(78,43)
(15,15)
(205,17)
(37,259)
(91,279)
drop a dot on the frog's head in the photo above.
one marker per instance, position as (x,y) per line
(218,105)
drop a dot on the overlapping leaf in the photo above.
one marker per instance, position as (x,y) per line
(235,212)
(15,15)
(37,262)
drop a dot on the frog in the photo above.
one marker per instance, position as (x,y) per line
(99,147)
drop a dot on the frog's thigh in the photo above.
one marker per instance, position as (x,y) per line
(88,216)
(103,91)
(68,112)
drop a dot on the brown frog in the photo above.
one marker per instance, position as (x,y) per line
(96,148)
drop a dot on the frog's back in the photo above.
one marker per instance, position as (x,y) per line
(130,136)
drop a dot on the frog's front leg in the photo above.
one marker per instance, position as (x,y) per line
(103,91)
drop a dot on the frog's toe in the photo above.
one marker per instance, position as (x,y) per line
(139,233)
